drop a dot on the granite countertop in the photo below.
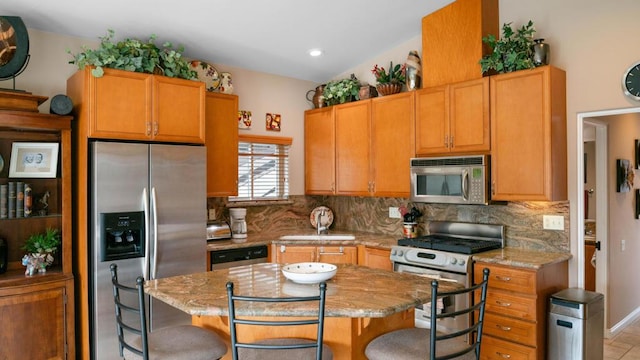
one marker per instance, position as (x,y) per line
(520,258)
(516,257)
(354,292)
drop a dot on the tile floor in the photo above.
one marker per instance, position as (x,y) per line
(625,345)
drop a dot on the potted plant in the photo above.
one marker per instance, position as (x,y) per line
(40,248)
(134,55)
(341,91)
(389,82)
(512,52)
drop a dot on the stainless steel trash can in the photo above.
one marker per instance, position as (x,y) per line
(576,325)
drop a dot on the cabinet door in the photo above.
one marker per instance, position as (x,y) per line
(222,144)
(319,151)
(469,116)
(432,120)
(34,325)
(375,258)
(121,106)
(528,135)
(338,254)
(392,144)
(353,176)
(178,110)
(288,254)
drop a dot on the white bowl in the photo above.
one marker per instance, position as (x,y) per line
(309,272)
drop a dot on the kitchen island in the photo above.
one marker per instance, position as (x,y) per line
(361,302)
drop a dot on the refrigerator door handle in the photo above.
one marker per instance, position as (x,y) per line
(154,212)
(145,207)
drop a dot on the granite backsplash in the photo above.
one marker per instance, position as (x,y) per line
(522,220)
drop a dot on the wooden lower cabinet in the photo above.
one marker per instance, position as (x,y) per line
(517,309)
(38,321)
(373,257)
(287,254)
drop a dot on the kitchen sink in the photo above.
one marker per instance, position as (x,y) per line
(318,237)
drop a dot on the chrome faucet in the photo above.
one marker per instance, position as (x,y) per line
(320,228)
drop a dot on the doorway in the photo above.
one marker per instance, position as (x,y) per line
(598,122)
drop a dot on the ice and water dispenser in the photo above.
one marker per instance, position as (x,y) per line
(122,235)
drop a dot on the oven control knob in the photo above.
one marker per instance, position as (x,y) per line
(393,252)
(400,252)
(461,262)
(453,261)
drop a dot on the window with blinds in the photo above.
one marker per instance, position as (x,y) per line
(263,168)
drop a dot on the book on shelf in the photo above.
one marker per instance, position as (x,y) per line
(4,211)
(28,200)
(11,200)
(19,199)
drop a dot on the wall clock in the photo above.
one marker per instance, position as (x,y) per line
(14,46)
(631,82)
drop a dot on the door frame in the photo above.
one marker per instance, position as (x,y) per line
(602,207)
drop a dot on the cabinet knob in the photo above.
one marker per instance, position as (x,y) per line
(155,128)
(446,141)
(503,355)
(451,142)
(148,132)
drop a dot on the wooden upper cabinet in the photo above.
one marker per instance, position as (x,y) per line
(453,119)
(353,150)
(222,144)
(529,135)
(452,41)
(392,144)
(126,105)
(319,151)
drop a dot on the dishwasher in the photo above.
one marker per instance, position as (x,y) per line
(227,258)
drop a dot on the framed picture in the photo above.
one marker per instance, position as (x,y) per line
(244,119)
(33,160)
(273,122)
(637,152)
(624,175)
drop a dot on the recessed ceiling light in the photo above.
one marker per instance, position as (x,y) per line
(315,52)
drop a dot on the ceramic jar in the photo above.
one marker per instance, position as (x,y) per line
(226,86)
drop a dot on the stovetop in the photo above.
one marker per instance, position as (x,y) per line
(456,237)
(450,244)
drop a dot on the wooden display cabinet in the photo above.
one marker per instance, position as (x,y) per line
(222,144)
(38,311)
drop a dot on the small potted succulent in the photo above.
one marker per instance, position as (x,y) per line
(40,248)
(389,82)
(341,91)
(135,55)
(512,52)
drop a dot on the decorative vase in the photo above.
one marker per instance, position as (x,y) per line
(540,52)
(367,92)
(388,88)
(318,99)
(413,71)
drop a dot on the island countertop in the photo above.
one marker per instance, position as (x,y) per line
(354,292)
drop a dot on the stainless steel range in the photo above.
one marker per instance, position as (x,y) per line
(445,254)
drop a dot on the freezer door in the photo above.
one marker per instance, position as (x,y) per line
(119,173)
(178,204)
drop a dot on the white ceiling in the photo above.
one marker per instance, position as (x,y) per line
(267,36)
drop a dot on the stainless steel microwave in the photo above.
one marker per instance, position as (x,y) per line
(450,180)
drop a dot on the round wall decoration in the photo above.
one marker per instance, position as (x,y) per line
(631,82)
(14,46)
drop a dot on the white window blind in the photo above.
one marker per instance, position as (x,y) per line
(263,168)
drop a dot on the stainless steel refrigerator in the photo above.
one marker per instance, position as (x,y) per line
(148,204)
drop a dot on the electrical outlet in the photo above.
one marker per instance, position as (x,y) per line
(212,214)
(623,245)
(394,213)
(553,222)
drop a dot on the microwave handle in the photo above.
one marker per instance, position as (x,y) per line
(465,185)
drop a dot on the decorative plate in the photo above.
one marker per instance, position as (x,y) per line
(309,272)
(325,220)
(207,74)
